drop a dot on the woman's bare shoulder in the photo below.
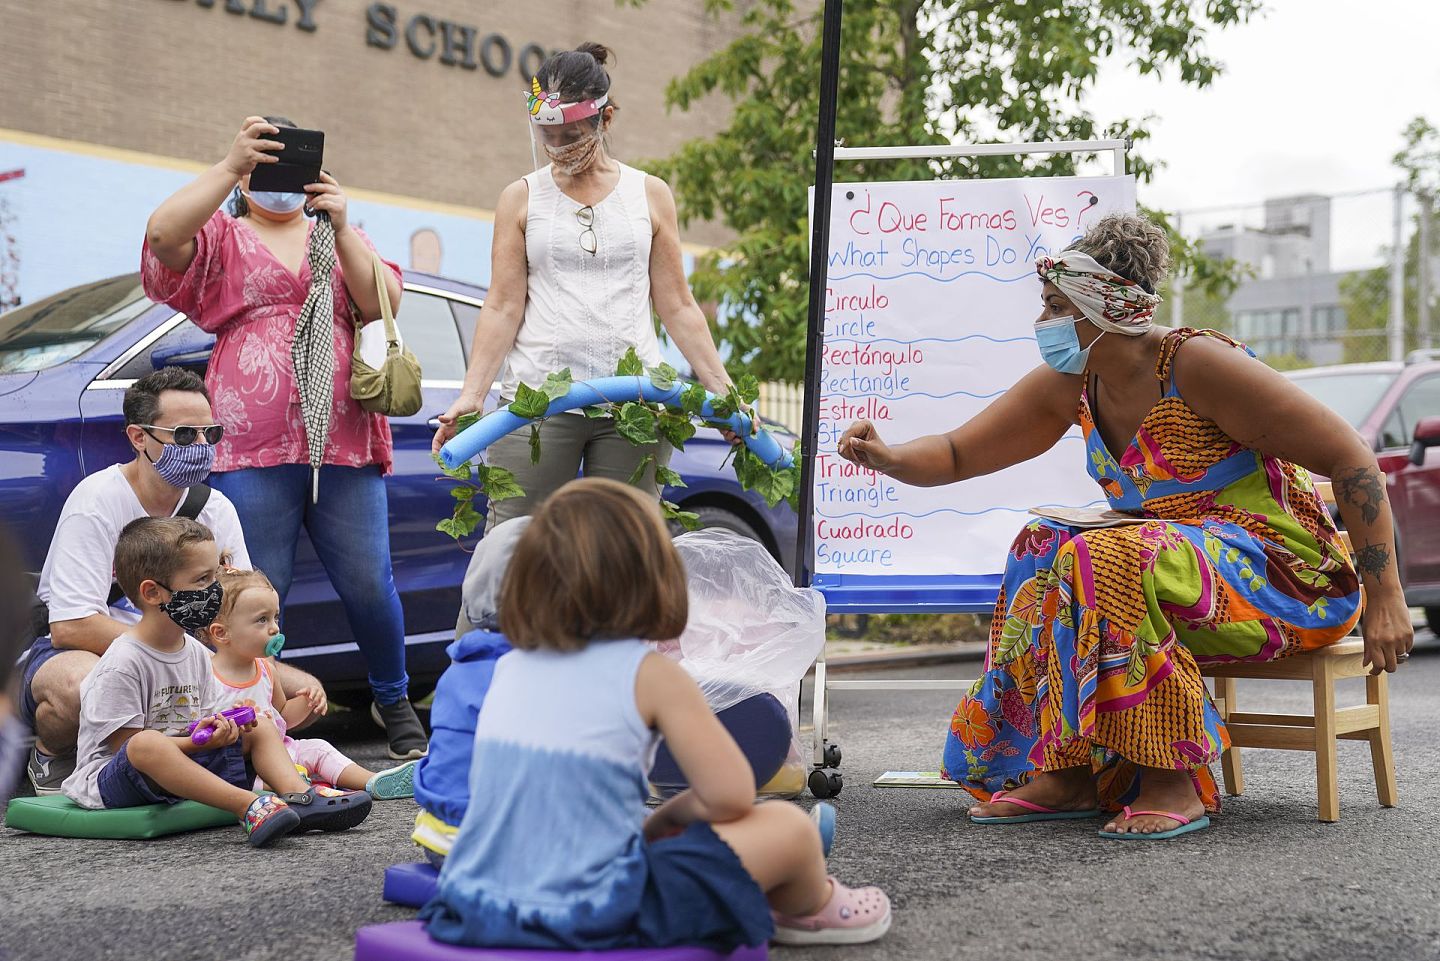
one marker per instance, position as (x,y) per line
(514,203)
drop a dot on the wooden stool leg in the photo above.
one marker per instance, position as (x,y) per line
(1326,781)
(1230,760)
(1377,692)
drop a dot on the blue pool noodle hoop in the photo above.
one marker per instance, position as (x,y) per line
(609,390)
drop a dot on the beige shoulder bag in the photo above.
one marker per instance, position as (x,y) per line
(392,388)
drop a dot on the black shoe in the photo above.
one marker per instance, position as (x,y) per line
(328,809)
(47,772)
(403,730)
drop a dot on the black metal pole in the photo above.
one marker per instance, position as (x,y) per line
(819,261)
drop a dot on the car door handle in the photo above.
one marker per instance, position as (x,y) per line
(433,423)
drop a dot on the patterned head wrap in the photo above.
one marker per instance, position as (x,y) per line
(546,108)
(1107,300)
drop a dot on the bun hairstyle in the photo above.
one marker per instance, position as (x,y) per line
(1132,246)
(578,74)
(238,205)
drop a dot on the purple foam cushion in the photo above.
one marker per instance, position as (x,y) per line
(407,941)
(410,884)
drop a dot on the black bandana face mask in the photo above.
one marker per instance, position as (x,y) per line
(194,610)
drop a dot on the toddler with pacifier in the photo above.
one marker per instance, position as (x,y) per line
(555,850)
(245,635)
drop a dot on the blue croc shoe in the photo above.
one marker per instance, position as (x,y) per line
(328,809)
(824,817)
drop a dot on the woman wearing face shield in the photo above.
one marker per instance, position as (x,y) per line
(245,276)
(1092,695)
(582,248)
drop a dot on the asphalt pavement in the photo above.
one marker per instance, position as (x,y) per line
(1267,881)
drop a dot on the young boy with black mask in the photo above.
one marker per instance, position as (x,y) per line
(154,684)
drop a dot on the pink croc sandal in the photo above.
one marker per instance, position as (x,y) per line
(851,916)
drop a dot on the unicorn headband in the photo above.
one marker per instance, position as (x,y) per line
(547,110)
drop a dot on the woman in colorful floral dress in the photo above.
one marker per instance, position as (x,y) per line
(1092,695)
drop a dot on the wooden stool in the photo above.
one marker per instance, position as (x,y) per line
(1316,732)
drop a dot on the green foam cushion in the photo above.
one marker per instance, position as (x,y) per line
(59,816)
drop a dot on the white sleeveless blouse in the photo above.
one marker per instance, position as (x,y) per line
(583,310)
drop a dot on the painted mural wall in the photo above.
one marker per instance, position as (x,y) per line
(71,216)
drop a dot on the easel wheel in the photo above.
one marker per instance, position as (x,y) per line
(825,783)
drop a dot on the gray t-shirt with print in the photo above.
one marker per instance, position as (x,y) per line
(134,685)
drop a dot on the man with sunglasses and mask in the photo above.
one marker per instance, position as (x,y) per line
(173,433)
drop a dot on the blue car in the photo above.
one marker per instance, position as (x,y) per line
(65,363)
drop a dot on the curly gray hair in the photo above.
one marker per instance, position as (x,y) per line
(1130,245)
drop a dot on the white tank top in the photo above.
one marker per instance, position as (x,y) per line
(583,310)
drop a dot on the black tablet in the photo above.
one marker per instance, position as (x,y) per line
(300,161)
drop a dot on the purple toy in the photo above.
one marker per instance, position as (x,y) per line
(407,941)
(241,715)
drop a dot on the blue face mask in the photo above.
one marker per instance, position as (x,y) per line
(185,466)
(277,203)
(1060,345)
(273,646)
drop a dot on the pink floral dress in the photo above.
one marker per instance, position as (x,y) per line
(236,289)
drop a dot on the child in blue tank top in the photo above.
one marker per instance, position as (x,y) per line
(555,849)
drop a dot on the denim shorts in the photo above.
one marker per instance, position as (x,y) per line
(122,786)
(40,652)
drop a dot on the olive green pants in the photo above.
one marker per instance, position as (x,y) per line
(570,444)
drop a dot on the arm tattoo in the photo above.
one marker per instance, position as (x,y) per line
(1372,560)
(1362,487)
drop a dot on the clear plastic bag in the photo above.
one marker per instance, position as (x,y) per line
(751,631)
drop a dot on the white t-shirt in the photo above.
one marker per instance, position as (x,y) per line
(79,568)
(134,685)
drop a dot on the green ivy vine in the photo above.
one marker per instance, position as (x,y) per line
(641,423)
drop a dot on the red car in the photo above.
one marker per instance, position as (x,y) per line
(1396,408)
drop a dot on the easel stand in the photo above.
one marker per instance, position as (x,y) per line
(866,594)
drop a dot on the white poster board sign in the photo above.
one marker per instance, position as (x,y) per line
(929,310)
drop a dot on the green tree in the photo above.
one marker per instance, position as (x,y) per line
(912,72)
(1365,295)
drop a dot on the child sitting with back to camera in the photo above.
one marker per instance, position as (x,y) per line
(140,702)
(442,777)
(245,636)
(554,850)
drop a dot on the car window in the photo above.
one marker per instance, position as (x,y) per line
(1420,401)
(65,325)
(1393,433)
(429,331)
(465,317)
(1352,395)
(185,337)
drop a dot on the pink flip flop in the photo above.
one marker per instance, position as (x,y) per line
(1186,826)
(1039,812)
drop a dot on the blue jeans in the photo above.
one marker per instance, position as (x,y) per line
(350,529)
